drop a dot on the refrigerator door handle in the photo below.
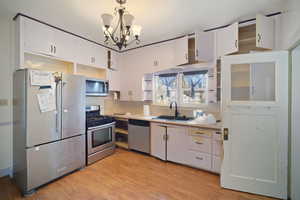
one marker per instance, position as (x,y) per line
(56,102)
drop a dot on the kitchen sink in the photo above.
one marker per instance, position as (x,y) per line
(179,118)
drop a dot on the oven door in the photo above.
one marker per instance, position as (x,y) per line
(100,137)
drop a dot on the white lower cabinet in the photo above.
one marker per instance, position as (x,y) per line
(199,160)
(176,144)
(199,143)
(200,148)
(216,164)
(158,141)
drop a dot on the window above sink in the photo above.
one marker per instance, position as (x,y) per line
(189,86)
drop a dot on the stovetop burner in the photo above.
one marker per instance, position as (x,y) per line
(93,118)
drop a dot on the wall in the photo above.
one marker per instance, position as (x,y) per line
(295,136)
(6,54)
(290,27)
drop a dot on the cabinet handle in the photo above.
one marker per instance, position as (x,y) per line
(51,48)
(186,56)
(198,132)
(164,137)
(55,49)
(258,38)
(197,53)
(199,158)
(199,142)
(236,44)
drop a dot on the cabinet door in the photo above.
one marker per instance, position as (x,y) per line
(205,45)
(181,50)
(158,141)
(64,45)
(177,144)
(37,37)
(114,74)
(98,56)
(264,32)
(228,40)
(82,52)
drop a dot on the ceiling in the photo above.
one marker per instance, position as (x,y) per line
(160,19)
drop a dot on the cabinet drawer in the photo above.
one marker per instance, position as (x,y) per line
(199,143)
(216,164)
(199,160)
(201,132)
(217,135)
(217,148)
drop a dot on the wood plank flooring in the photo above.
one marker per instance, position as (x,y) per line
(129,175)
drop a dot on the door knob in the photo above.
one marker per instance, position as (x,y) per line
(225,134)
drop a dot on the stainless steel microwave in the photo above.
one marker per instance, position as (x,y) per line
(97,87)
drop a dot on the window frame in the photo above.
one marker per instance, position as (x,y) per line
(179,91)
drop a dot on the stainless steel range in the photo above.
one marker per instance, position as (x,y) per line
(100,135)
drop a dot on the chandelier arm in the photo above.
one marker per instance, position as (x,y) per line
(112,37)
(116,28)
(133,40)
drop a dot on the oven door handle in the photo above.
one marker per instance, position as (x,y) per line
(102,126)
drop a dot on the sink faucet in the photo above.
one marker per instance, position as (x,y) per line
(176,110)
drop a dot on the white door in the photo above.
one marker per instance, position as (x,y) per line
(205,46)
(264,32)
(181,51)
(255,129)
(177,144)
(228,40)
(158,141)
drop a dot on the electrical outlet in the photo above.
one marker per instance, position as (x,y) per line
(3,102)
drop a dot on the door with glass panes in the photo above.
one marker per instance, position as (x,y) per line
(255,123)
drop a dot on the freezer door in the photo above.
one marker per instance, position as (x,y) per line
(50,161)
(73,105)
(42,127)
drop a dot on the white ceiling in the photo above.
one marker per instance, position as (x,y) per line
(160,19)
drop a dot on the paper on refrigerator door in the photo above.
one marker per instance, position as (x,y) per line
(46,101)
(40,78)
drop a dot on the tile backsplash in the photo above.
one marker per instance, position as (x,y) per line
(136,107)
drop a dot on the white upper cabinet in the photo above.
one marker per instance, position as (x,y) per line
(63,44)
(228,40)
(90,54)
(42,39)
(37,37)
(264,32)
(181,51)
(205,46)
(113,73)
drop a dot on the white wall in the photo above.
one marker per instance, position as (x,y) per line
(295,138)
(6,94)
(290,26)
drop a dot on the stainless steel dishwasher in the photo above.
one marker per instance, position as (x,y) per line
(139,135)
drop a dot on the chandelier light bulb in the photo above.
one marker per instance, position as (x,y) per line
(107,19)
(128,19)
(136,30)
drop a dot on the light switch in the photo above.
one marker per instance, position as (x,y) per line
(3,102)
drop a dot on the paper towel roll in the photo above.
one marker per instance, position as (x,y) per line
(146,110)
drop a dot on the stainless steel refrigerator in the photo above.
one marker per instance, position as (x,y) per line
(47,144)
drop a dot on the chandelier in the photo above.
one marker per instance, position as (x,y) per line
(121,34)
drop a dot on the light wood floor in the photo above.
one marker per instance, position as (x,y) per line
(128,175)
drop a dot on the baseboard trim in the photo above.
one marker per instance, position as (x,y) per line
(6,172)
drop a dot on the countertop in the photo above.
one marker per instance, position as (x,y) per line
(217,126)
